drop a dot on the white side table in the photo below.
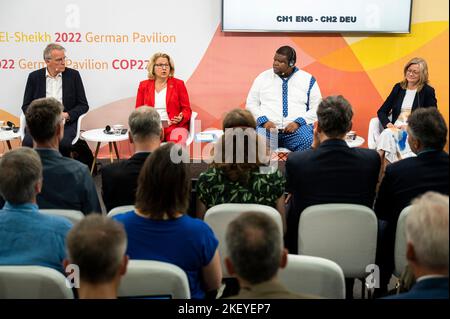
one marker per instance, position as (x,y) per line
(357,142)
(8,136)
(97,135)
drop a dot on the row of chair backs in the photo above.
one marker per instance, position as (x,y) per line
(143,279)
(220,216)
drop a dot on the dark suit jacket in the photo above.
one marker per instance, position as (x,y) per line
(423,98)
(406,179)
(74,97)
(119,181)
(332,173)
(432,288)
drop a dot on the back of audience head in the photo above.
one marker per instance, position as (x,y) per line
(97,245)
(44,119)
(254,248)
(427,129)
(238,152)
(334,116)
(20,176)
(164,183)
(144,124)
(238,118)
(427,233)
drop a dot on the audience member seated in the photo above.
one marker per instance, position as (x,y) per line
(255,252)
(159,229)
(68,183)
(427,247)
(239,171)
(332,172)
(28,237)
(406,97)
(406,179)
(97,245)
(119,180)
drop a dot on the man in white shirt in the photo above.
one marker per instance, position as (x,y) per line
(284,102)
(63,84)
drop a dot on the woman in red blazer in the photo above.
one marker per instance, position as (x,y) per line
(168,96)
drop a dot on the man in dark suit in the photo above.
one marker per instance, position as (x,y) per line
(331,172)
(63,84)
(119,180)
(427,247)
(406,179)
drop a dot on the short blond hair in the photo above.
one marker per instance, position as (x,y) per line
(423,73)
(152,61)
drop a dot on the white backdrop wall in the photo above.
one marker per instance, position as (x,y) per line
(111,66)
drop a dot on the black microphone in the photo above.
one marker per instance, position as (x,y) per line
(107,130)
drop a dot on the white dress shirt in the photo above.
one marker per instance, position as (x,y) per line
(160,104)
(266,98)
(53,86)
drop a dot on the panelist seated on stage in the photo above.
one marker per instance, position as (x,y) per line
(168,95)
(284,101)
(68,183)
(119,180)
(389,136)
(63,84)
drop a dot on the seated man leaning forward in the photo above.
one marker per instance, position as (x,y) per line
(284,101)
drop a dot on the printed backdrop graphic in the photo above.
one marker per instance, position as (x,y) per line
(110,43)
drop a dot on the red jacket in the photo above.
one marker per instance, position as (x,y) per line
(177,99)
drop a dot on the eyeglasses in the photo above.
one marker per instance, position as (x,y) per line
(413,72)
(162,66)
(59,60)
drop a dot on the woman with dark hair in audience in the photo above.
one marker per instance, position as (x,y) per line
(411,93)
(239,172)
(158,229)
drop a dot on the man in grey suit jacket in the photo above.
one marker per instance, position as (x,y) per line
(63,84)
